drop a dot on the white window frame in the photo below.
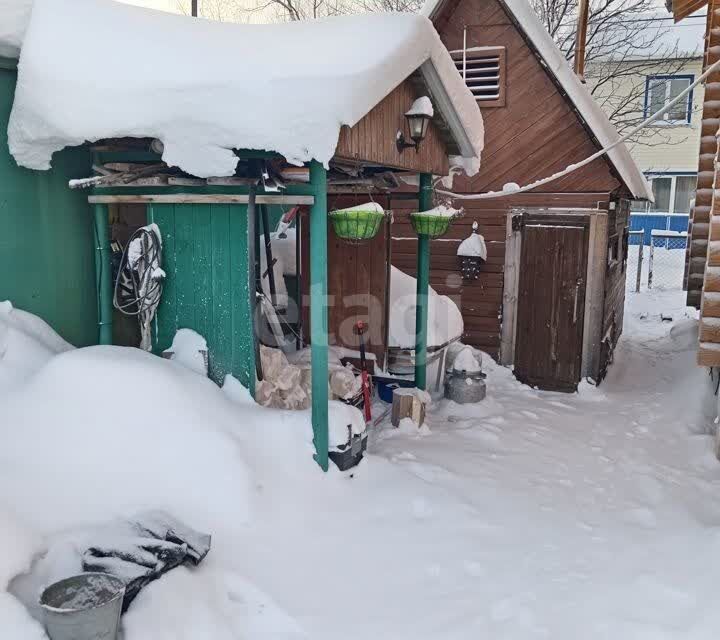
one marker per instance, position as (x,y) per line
(664,120)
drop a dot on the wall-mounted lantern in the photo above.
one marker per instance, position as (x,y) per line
(418,118)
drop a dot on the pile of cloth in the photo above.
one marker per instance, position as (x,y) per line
(137,551)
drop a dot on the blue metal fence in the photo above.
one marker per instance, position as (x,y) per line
(660,221)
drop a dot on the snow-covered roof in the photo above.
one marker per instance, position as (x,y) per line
(576,91)
(14,17)
(93,69)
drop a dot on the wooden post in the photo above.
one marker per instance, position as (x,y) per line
(581,37)
(423,283)
(640,261)
(650,262)
(194,8)
(318,312)
(103,274)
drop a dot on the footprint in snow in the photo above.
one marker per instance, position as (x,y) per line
(530,414)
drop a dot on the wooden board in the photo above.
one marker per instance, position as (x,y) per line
(373,138)
(538,132)
(551,302)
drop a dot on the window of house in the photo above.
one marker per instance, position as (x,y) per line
(660,90)
(684,193)
(673,194)
(483,69)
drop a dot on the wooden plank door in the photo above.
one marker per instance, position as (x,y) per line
(551,304)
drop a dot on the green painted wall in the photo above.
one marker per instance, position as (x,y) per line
(46,240)
(205,257)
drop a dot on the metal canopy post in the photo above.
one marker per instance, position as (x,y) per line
(103,274)
(318,312)
(423,279)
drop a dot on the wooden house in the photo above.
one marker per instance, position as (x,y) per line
(702,268)
(208,222)
(549,298)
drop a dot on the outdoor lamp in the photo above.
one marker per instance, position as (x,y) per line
(417,123)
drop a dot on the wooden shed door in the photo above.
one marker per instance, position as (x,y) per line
(551,304)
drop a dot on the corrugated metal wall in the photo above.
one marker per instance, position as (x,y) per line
(46,238)
(206,259)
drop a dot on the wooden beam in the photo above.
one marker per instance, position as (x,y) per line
(581,37)
(199,198)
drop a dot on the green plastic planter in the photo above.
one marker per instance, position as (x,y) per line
(356,225)
(433,226)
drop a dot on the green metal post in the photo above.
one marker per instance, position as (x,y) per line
(103,274)
(423,280)
(318,312)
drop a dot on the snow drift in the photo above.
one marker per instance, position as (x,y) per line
(281,87)
(445,322)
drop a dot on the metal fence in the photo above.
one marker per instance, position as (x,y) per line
(659,265)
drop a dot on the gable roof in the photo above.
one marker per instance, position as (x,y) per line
(588,109)
(204,88)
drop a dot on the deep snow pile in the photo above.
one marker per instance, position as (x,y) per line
(234,88)
(445,321)
(530,515)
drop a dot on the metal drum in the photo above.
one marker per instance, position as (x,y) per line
(83,607)
(464,387)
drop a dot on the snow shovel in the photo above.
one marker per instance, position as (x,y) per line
(360,328)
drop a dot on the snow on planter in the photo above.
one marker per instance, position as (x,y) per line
(361,222)
(433,222)
(235,87)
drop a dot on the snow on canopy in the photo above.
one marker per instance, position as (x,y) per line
(205,88)
(576,91)
(14,17)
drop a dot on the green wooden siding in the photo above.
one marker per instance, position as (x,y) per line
(205,257)
(46,236)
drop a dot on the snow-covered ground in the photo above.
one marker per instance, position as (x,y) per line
(531,515)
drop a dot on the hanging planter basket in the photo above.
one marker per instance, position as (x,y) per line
(357,223)
(433,223)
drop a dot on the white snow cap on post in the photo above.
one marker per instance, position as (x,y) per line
(205,88)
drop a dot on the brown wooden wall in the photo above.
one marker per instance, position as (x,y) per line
(536,133)
(356,284)
(615,276)
(373,138)
(480,300)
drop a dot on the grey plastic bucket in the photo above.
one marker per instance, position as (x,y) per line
(84,607)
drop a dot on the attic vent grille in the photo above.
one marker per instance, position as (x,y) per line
(483,69)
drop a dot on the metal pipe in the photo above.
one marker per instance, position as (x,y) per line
(423,284)
(640,261)
(318,312)
(268,254)
(103,274)
(194,8)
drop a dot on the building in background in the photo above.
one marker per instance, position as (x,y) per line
(667,150)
